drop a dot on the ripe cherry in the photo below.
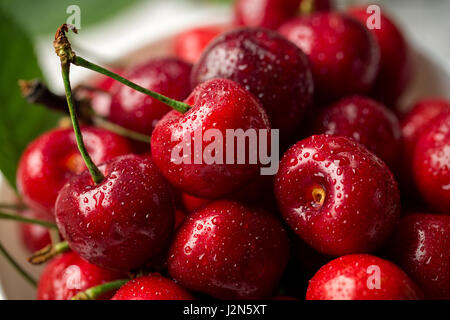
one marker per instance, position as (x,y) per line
(53,159)
(336,195)
(139,112)
(68,274)
(367,122)
(343,54)
(152,287)
(102,95)
(229,251)
(420,247)
(121,222)
(191,203)
(431,164)
(34,237)
(395,57)
(361,277)
(190,44)
(273,69)
(217,104)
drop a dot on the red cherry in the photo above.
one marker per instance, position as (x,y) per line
(192,203)
(33,236)
(431,164)
(53,159)
(217,104)
(395,57)
(420,247)
(152,287)
(336,195)
(229,251)
(367,122)
(122,222)
(68,274)
(343,54)
(190,44)
(139,112)
(101,100)
(264,63)
(271,13)
(353,277)
(179,218)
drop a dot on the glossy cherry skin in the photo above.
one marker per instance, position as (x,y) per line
(53,159)
(431,164)
(139,112)
(420,247)
(229,251)
(34,237)
(351,277)
(336,195)
(343,54)
(190,44)
(395,57)
(273,69)
(152,287)
(68,274)
(272,13)
(367,122)
(217,104)
(124,221)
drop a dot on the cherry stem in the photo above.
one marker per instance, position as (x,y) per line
(16,266)
(65,52)
(15,217)
(17,207)
(307,7)
(94,293)
(48,253)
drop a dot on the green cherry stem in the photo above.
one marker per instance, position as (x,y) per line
(16,266)
(16,207)
(47,253)
(64,50)
(94,293)
(15,217)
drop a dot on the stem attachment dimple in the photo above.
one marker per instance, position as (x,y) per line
(48,253)
(318,194)
(95,292)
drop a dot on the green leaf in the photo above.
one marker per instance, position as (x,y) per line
(20,122)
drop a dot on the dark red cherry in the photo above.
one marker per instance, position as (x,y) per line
(152,287)
(367,122)
(34,237)
(274,70)
(220,105)
(420,246)
(336,195)
(431,164)
(361,277)
(229,251)
(68,274)
(191,203)
(122,222)
(53,159)
(395,57)
(190,44)
(271,13)
(101,98)
(343,54)
(139,112)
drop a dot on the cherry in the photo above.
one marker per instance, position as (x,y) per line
(431,164)
(33,236)
(343,54)
(53,159)
(336,195)
(102,95)
(395,57)
(139,112)
(68,274)
(152,287)
(217,104)
(420,247)
(190,44)
(229,251)
(367,122)
(271,13)
(179,218)
(192,203)
(270,67)
(121,222)
(354,277)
